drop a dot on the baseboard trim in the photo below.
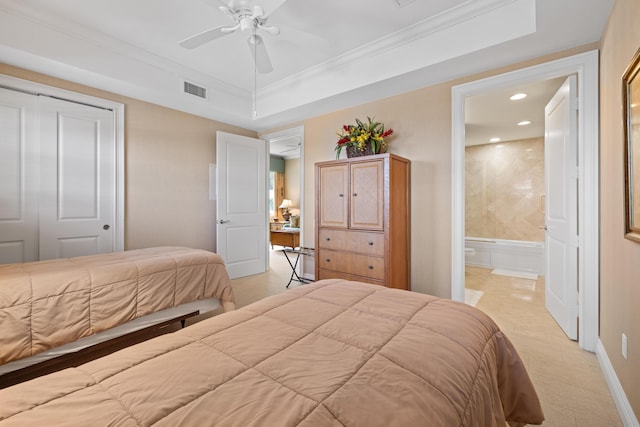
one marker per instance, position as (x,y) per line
(619,397)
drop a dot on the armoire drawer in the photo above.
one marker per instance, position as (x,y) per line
(329,274)
(352,241)
(344,262)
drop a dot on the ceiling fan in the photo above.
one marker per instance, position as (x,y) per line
(247,17)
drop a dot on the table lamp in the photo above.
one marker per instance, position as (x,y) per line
(286,204)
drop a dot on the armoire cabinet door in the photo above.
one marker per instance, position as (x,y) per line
(333,193)
(367,195)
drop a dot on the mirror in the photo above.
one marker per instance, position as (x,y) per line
(631,114)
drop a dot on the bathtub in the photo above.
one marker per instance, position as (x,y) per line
(515,255)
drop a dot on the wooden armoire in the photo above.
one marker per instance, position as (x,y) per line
(363,222)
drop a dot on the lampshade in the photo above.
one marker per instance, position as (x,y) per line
(286,204)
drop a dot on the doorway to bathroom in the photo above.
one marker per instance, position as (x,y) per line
(504,209)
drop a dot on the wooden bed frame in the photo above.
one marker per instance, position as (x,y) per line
(77,358)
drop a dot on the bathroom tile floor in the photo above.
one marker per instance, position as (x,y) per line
(569,381)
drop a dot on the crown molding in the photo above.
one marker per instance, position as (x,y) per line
(474,25)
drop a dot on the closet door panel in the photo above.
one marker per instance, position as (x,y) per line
(18,177)
(77,209)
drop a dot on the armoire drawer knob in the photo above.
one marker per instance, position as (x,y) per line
(327,260)
(370,243)
(371,267)
(340,195)
(327,238)
(355,194)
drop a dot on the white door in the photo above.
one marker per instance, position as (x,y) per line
(18,177)
(561,243)
(77,179)
(241,210)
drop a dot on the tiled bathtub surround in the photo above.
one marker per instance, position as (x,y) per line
(505,190)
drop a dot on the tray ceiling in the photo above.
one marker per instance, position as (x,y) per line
(329,55)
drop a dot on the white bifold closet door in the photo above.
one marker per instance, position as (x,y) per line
(18,177)
(59,197)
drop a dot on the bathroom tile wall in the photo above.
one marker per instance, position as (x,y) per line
(505,190)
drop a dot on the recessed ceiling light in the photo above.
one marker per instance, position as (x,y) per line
(518,96)
(524,123)
(496,139)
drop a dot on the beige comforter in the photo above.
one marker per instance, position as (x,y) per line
(50,303)
(334,353)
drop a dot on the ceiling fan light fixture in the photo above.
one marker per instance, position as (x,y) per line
(247,24)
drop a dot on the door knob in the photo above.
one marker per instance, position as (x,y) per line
(106,227)
(224,221)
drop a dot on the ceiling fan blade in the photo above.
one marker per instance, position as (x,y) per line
(270,29)
(260,55)
(204,37)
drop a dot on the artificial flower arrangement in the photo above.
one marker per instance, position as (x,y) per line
(363,138)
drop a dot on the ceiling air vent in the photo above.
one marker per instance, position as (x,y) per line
(199,91)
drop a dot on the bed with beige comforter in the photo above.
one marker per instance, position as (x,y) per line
(47,304)
(333,353)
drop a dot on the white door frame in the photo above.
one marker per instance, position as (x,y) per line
(118,110)
(585,66)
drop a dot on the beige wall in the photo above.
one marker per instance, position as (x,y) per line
(292,181)
(504,190)
(167,156)
(620,258)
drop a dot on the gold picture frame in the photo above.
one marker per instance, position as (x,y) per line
(631,115)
